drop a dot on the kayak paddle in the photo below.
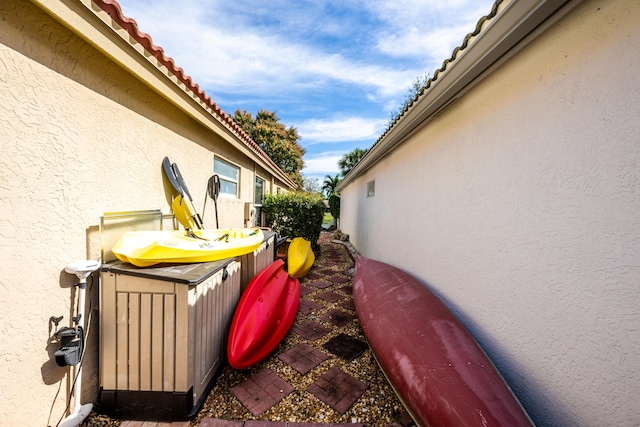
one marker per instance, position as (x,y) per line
(171,176)
(213,190)
(189,200)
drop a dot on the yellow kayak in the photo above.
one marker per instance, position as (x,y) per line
(300,257)
(146,248)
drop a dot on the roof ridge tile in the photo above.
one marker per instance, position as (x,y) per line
(445,65)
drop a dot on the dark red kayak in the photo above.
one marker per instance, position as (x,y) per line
(263,317)
(436,367)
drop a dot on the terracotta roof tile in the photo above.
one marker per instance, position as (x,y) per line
(114,10)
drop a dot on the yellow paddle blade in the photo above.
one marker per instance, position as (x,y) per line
(182,213)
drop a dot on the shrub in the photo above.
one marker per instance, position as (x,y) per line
(295,215)
(334,205)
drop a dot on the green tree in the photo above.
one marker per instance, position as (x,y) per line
(312,185)
(350,159)
(414,91)
(276,140)
(334,206)
(329,185)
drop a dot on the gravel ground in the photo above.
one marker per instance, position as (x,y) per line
(378,406)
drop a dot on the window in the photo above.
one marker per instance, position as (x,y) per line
(259,196)
(229,177)
(371,188)
(258,199)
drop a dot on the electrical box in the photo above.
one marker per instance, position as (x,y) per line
(249,211)
(163,336)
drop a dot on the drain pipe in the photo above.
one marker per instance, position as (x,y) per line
(82,269)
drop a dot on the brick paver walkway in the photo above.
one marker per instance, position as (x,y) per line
(337,389)
(303,357)
(328,284)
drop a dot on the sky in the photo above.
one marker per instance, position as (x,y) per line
(336,70)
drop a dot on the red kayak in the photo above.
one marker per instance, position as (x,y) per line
(263,317)
(436,367)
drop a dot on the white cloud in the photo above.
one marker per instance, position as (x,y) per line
(437,44)
(283,53)
(224,55)
(428,13)
(340,130)
(428,29)
(322,164)
(264,64)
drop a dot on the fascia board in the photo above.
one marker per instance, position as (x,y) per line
(507,29)
(96,27)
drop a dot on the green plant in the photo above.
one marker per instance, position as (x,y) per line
(350,160)
(280,143)
(334,205)
(295,215)
(330,184)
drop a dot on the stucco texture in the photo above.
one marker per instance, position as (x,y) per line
(80,136)
(519,206)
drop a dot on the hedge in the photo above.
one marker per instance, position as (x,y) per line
(295,215)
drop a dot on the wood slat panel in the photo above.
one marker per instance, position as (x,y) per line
(217,320)
(134,341)
(108,331)
(226,296)
(157,341)
(145,342)
(122,341)
(169,347)
(214,293)
(182,339)
(206,306)
(192,340)
(199,316)
(164,336)
(245,272)
(143,285)
(263,256)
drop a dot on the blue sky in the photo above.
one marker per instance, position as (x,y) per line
(335,70)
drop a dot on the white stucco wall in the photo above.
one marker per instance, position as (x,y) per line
(79,137)
(520,204)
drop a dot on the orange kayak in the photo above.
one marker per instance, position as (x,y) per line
(263,317)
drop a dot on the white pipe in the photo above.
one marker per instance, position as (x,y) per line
(80,411)
(77,417)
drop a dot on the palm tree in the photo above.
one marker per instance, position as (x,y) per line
(349,160)
(330,183)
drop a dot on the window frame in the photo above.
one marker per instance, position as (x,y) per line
(255,190)
(226,178)
(258,205)
(371,188)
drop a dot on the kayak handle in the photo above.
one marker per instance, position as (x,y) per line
(224,237)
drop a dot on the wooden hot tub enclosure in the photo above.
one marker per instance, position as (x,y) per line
(162,336)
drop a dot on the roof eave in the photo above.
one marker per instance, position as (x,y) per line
(102,24)
(514,25)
